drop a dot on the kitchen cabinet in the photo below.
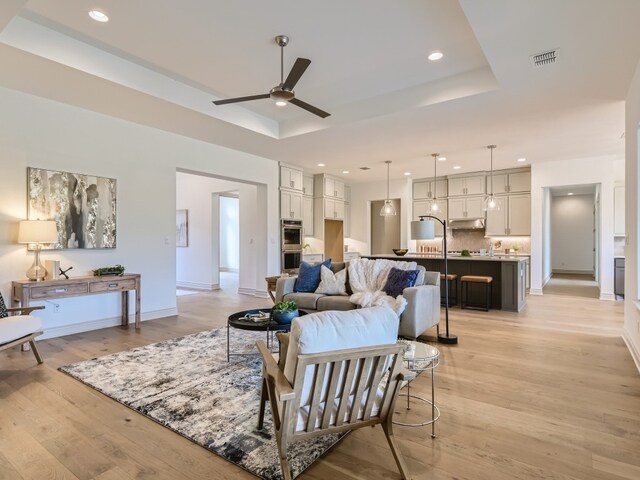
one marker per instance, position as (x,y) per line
(348,256)
(333,188)
(307,216)
(510,182)
(346,224)
(347,194)
(290,205)
(307,185)
(313,257)
(465,208)
(618,286)
(333,209)
(618,211)
(470,185)
(429,189)
(513,218)
(290,178)
(421,207)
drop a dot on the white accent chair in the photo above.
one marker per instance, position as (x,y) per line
(343,370)
(19,329)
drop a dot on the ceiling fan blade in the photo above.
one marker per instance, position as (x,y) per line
(309,108)
(296,72)
(241,99)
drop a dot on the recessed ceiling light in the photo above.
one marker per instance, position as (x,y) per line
(98,16)
(522,159)
(407,173)
(457,167)
(281,103)
(321,164)
(345,171)
(570,193)
(442,159)
(435,56)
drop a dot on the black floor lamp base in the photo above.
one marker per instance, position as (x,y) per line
(447,339)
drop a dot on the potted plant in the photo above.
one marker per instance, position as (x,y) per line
(285,312)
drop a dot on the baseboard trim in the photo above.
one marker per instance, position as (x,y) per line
(535,291)
(608,296)
(198,286)
(64,330)
(574,272)
(247,291)
(635,353)
(261,294)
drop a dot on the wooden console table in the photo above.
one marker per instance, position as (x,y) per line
(25,291)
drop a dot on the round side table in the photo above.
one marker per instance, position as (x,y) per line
(421,357)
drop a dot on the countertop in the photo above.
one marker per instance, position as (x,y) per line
(455,257)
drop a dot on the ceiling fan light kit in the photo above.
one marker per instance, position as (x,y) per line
(283,93)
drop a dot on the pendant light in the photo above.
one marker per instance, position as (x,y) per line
(433,205)
(491,202)
(388,210)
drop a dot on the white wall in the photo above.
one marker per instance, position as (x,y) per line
(199,264)
(230,234)
(572,239)
(573,172)
(43,133)
(632,157)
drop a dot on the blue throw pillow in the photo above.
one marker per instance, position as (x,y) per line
(398,280)
(309,276)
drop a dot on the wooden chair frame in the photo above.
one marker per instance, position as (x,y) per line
(27,338)
(362,370)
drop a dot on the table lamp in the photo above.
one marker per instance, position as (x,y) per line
(425,230)
(37,232)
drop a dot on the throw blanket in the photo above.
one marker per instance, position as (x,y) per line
(367,278)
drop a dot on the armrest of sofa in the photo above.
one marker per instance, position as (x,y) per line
(284,285)
(422,311)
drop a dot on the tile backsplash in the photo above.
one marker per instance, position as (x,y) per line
(475,240)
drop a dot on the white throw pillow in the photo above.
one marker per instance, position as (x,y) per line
(332,283)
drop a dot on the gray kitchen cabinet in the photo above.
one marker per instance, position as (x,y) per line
(290,205)
(290,178)
(513,218)
(307,185)
(421,207)
(333,209)
(510,182)
(426,189)
(307,216)
(470,185)
(465,208)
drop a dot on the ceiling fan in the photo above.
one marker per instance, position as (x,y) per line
(283,93)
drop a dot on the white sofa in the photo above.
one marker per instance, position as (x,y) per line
(423,300)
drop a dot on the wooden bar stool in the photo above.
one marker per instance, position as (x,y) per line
(452,278)
(465,280)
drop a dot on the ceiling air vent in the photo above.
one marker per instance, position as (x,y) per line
(544,58)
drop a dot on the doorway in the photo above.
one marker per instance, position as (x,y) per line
(573,241)
(385,231)
(229,240)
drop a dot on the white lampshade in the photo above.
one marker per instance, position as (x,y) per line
(423,230)
(37,231)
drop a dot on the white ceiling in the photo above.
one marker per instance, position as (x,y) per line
(161,62)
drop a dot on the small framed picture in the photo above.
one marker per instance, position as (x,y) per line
(182,228)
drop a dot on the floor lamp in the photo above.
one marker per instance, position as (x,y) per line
(425,230)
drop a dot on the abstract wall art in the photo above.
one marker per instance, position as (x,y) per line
(83,207)
(182,228)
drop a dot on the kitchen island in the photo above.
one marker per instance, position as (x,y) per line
(509,274)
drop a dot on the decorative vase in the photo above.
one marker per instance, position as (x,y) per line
(285,317)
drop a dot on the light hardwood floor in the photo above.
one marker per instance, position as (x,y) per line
(550,393)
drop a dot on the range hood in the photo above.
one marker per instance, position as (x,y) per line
(475,224)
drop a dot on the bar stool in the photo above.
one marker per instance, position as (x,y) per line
(465,280)
(452,278)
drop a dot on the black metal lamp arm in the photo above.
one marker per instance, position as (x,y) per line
(444,338)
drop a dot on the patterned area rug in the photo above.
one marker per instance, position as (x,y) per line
(187,385)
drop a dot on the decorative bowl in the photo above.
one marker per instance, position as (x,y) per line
(400,251)
(284,318)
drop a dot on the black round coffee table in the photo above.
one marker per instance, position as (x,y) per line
(241,321)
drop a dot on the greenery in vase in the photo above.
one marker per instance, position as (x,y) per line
(516,247)
(117,270)
(285,307)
